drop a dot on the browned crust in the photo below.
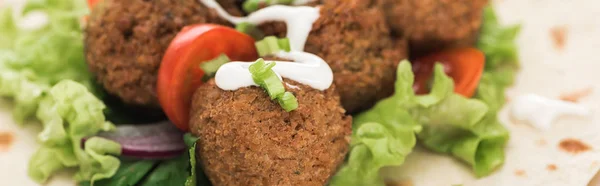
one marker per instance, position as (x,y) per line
(126,39)
(247,139)
(354,38)
(431,25)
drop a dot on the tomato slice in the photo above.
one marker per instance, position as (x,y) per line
(92,3)
(464,65)
(180,73)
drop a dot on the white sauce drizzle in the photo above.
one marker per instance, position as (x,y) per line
(541,112)
(291,86)
(302,2)
(299,20)
(308,69)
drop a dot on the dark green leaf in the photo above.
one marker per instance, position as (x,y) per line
(129,174)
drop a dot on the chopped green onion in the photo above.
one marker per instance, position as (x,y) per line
(210,67)
(263,75)
(272,45)
(251,30)
(288,102)
(253,5)
(284,44)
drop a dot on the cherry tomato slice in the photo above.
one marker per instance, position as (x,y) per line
(92,3)
(464,65)
(180,73)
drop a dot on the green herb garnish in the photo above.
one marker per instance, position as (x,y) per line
(210,67)
(272,45)
(251,30)
(253,5)
(265,77)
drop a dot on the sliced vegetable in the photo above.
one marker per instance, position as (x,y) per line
(288,102)
(464,65)
(150,141)
(92,3)
(251,30)
(264,76)
(180,73)
(210,67)
(444,121)
(253,5)
(272,45)
(180,170)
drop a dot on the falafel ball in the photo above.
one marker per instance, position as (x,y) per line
(352,36)
(245,138)
(126,39)
(432,25)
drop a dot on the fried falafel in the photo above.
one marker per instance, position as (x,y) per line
(432,25)
(245,138)
(352,36)
(125,42)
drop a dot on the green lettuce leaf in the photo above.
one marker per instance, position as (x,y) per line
(52,52)
(69,112)
(442,120)
(169,172)
(463,128)
(128,174)
(498,44)
(43,71)
(382,136)
(25,93)
(179,171)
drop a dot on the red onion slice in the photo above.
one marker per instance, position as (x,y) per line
(152,141)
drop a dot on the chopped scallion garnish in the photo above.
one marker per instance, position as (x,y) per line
(210,67)
(272,45)
(253,5)
(251,30)
(263,75)
(288,101)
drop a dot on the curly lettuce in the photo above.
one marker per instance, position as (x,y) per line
(68,113)
(462,127)
(498,44)
(52,51)
(382,136)
(442,120)
(43,71)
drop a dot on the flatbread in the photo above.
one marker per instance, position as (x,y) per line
(533,157)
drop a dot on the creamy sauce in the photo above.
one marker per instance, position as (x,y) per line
(299,20)
(541,112)
(302,2)
(307,69)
